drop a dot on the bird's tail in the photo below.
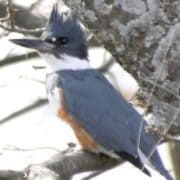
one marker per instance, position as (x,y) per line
(159,166)
(156,163)
(135,161)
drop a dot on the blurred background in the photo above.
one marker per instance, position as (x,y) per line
(29,132)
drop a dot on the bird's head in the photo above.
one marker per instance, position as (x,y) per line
(63,35)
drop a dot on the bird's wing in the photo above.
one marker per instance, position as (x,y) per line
(107,117)
(103,112)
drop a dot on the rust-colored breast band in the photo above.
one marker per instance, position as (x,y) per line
(85,139)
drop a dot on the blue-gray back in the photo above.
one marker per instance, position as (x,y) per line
(103,112)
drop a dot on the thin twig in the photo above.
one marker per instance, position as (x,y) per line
(22,30)
(159,86)
(26,109)
(10,11)
(38,67)
(18,58)
(15,148)
(10,17)
(28,31)
(160,134)
(4,19)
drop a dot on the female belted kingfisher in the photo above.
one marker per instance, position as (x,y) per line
(100,117)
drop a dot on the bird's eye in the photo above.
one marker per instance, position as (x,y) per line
(62,40)
(58,41)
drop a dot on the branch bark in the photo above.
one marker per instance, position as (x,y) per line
(62,166)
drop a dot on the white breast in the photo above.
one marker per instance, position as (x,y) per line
(53,92)
(65,62)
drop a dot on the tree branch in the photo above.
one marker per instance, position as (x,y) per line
(13,21)
(10,11)
(63,166)
(22,30)
(25,109)
(159,133)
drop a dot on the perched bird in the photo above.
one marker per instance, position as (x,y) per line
(102,120)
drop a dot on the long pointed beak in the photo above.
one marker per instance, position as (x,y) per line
(36,44)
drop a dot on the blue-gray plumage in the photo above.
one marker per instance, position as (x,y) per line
(65,27)
(106,115)
(101,118)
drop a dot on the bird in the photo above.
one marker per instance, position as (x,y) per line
(102,120)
